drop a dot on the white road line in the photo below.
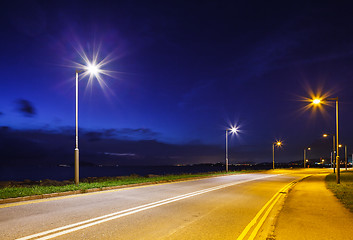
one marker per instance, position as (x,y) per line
(94,221)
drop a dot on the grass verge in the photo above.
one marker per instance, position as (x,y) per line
(343,191)
(13,192)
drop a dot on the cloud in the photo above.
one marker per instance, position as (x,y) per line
(25,107)
(125,133)
(41,147)
(93,136)
(47,148)
(142,132)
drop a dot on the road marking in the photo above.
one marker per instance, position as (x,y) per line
(6,205)
(257,228)
(94,221)
(269,206)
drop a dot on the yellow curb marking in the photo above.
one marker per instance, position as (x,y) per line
(273,200)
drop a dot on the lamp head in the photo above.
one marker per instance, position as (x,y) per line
(316,101)
(234,129)
(92,68)
(309,148)
(325,135)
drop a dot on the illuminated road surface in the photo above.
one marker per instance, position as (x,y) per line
(212,208)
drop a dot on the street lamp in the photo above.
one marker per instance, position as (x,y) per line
(93,70)
(305,154)
(233,130)
(277,144)
(319,101)
(333,146)
(345,154)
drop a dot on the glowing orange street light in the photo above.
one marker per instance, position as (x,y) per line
(233,130)
(318,101)
(277,144)
(333,151)
(305,154)
(345,154)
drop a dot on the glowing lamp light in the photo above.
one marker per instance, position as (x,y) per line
(92,68)
(234,129)
(309,149)
(316,101)
(325,135)
(278,143)
(340,145)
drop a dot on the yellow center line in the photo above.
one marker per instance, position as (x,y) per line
(274,199)
(257,228)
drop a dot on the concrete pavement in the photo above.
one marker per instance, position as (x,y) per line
(311,211)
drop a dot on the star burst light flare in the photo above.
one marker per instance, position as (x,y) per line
(94,67)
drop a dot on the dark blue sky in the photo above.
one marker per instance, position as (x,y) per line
(184,71)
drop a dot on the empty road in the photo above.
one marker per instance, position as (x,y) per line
(224,207)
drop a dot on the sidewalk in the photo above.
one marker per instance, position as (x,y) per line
(312,212)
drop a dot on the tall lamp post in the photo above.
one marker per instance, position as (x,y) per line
(345,154)
(333,151)
(93,70)
(277,144)
(317,102)
(305,155)
(232,130)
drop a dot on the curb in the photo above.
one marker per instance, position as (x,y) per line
(272,225)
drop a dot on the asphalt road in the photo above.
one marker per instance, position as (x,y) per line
(214,208)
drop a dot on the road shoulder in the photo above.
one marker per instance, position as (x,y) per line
(311,211)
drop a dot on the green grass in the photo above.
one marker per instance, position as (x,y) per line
(13,192)
(343,191)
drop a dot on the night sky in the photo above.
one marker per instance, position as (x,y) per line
(182,72)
